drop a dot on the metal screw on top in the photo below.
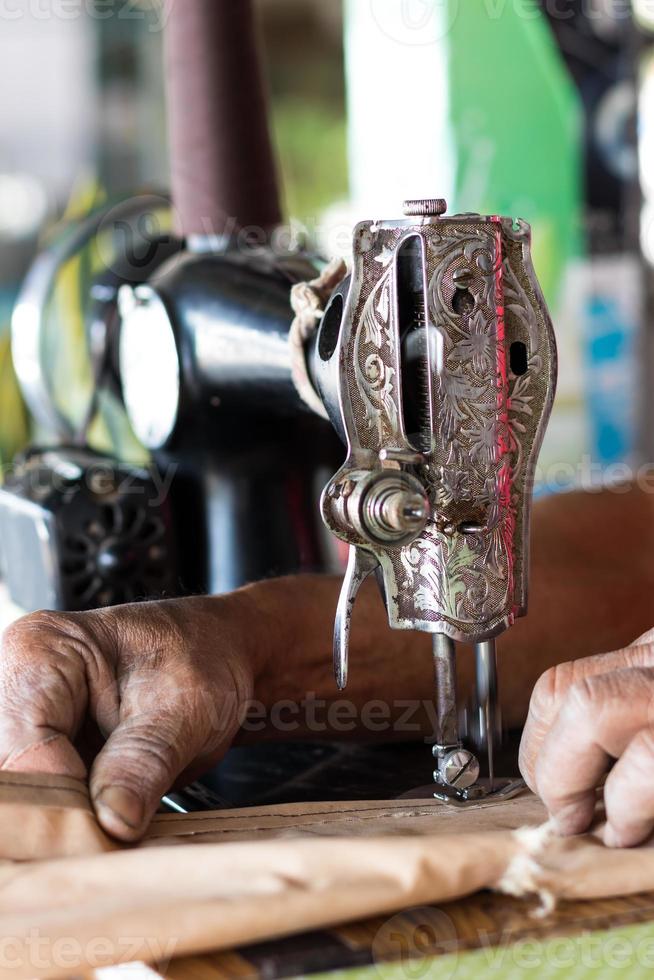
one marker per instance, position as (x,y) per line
(459,769)
(428,207)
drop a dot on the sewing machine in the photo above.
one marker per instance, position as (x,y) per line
(436,363)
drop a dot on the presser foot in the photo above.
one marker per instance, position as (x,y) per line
(490,791)
(457,780)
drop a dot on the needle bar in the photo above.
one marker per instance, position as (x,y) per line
(486,671)
(444,652)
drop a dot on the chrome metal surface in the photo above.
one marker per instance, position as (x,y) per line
(123,222)
(419,381)
(359,566)
(486,691)
(149,365)
(425,207)
(480,792)
(444,653)
(192,799)
(392,511)
(465,573)
(455,766)
(458,768)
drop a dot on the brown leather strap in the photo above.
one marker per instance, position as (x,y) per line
(222,162)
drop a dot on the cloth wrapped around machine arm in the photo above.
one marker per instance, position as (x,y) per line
(210,881)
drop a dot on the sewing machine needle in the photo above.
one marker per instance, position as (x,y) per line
(486,671)
(444,652)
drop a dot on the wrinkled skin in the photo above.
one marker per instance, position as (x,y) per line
(582,716)
(143,676)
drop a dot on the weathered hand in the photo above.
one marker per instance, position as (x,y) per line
(163,682)
(584,715)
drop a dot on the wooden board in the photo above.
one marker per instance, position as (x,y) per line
(485,920)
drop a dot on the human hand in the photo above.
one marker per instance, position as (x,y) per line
(584,715)
(164,683)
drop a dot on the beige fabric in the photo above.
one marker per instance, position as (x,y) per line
(47,817)
(360,819)
(230,879)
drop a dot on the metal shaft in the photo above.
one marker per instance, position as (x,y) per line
(486,671)
(446,706)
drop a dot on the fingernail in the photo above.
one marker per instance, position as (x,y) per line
(123,804)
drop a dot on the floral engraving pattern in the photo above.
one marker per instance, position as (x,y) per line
(376,372)
(467,578)
(464,574)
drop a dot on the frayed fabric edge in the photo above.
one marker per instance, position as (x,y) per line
(524,872)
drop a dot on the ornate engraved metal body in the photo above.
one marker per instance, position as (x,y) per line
(444,366)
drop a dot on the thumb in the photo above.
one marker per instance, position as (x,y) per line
(140,761)
(166,720)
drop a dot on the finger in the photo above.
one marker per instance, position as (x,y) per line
(629,793)
(43,696)
(592,727)
(137,766)
(163,727)
(44,752)
(553,686)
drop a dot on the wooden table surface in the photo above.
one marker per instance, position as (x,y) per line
(417,940)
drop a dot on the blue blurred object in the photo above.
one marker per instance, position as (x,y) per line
(610,356)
